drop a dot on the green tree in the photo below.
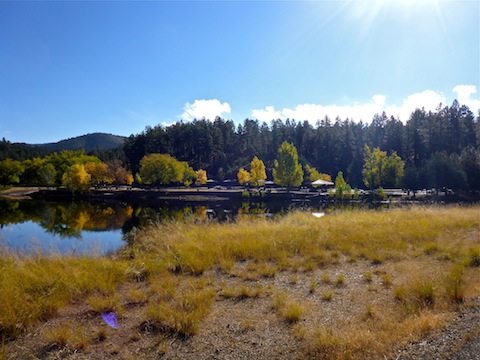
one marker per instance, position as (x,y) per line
(257,171)
(380,169)
(160,169)
(47,174)
(66,158)
(286,170)
(38,172)
(10,171)
(189,175)
(445,171)
(470,160)
(243,176)
(77,179)
(342,189)
(394,170)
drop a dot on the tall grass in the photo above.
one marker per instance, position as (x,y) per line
(35,288)
(375,236)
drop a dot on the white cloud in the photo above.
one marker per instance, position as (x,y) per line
(208,109)
(428,99)
(464,93)
(266,114)
(314,112)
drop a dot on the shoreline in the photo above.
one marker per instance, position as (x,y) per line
(154,196)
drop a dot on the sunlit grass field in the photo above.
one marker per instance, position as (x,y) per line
(418,264)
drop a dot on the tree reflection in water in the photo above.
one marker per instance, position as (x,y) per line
(71,220)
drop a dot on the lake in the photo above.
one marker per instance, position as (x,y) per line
(99,228)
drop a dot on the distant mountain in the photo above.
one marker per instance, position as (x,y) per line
(95,141)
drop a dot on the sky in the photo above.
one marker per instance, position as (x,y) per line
(72,68)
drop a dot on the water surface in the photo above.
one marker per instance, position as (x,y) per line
(99,228)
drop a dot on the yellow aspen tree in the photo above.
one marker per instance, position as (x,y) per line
(257,171)
(243,176)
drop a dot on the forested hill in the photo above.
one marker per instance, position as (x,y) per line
(89,142)
(106,146)
(440,148)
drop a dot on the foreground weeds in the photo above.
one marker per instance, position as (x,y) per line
(355,284)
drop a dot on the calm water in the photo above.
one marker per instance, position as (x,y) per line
(87,228)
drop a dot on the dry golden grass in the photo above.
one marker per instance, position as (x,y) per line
(289,309)
(429,261)
(375,236)
(33,289)
(241,292)
(67,335)
(182,314)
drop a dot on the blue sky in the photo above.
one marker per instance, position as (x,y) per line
(71,68)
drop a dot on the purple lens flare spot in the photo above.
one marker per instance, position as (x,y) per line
(110,319)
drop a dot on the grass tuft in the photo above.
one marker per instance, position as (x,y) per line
(101,303)
(418,294)
(66,335)
(326,279)
(455,284)
(340,280)
(368,276)
(292,311)
(181,315)
(327,295)
(242,292)
(386,280)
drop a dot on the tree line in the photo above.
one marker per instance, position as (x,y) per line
(439,148)
(433,149)
(71,168)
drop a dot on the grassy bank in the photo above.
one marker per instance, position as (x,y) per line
(350,284)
